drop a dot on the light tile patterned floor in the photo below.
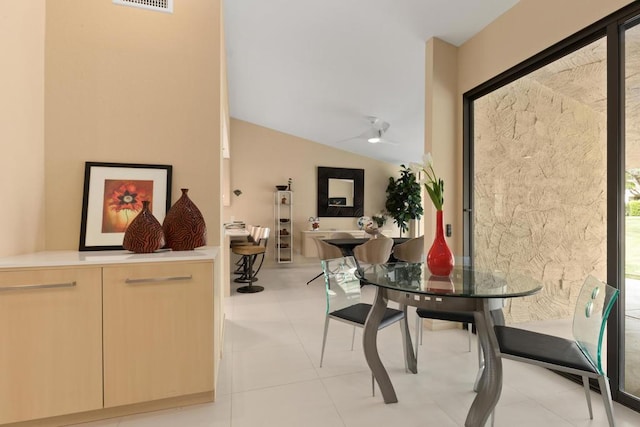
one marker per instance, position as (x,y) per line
(270,374)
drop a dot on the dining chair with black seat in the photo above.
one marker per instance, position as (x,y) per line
(579,356)
(325,251)
(344,302)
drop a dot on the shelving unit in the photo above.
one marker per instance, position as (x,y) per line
(284,226)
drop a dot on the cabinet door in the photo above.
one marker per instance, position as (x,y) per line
(158,331)
(50,343)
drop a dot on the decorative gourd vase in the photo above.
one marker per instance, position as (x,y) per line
(144,234)
(439,257)
(184,226)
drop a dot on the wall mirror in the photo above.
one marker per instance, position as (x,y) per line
(340,192)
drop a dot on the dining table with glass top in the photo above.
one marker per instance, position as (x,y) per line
(347,245)
(466,289)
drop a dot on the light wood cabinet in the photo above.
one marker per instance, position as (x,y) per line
(50,342)
(158,331)
(92,335)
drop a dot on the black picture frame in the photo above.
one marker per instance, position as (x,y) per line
(325,209)
(112,197)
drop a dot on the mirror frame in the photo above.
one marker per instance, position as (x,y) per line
(357,176)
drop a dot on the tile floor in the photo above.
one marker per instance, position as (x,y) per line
(269,375)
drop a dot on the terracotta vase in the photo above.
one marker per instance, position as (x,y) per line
(144,234)
(184,227)
(439,258)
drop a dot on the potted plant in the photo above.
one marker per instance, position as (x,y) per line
(403,199)
(380,219)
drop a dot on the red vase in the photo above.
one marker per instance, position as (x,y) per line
(184,226)
(144,234)
(440,258)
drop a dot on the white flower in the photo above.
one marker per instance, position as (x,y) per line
(433,184)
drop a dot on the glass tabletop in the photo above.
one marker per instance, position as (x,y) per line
(464,281)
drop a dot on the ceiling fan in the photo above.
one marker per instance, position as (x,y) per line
(375,134)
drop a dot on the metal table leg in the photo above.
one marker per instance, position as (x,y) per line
(410,361)
(370,346)
(490,385)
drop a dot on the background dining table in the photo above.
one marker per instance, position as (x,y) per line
(347,245)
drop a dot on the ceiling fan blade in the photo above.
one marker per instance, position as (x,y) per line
(386,141)
(364,136)
(373,135)
(354,138)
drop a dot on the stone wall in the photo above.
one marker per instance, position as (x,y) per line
(540,191)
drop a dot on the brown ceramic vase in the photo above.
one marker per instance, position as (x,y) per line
(184,226)
(144,234)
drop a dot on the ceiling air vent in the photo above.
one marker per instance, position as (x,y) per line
(158,5)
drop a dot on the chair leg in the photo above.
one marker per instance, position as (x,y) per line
(405,347)
(373,385)
(469,328)
(353,337)
(315,278)
(476,384)
(585,383)
(259,265)
(418,334)
(324,338)
(605,390)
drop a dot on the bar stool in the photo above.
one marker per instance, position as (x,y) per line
(249,255)
(255,231)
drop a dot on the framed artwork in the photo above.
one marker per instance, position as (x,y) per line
(340,192)
(113,196)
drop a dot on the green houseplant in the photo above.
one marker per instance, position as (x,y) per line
(403,198)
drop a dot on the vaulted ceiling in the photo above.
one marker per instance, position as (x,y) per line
(317,69)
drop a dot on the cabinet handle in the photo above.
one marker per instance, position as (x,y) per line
(158,279)
(38,286)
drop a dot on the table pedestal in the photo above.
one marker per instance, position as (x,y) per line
(489,386)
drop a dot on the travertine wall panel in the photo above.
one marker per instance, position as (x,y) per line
(540,192)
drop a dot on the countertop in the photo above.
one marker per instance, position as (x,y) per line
(76,258)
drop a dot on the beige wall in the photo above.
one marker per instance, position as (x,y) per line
(524,30)
(22,126)
(440,141)
(134,86)
(262,158)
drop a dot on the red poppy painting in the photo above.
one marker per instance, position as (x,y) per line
(122,202)
(113,196)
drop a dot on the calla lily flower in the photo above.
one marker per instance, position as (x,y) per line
(433,184)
